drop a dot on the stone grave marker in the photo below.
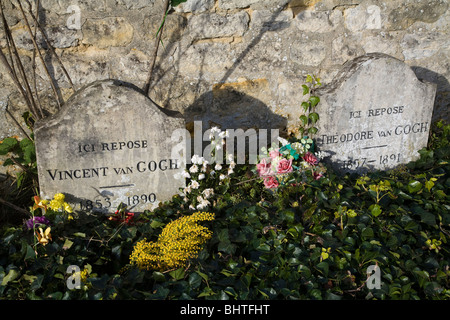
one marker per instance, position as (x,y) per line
(375,115)
(109,144)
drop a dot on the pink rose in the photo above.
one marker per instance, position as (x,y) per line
(284,166)
(310,158)
(270,182)
(264,168)
(274,153)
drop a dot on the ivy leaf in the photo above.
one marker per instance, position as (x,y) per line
(430,183)
(177,274)
(304,119)
(375,209)
(12,275)
(7,145)
(314,117)
(313,130)
(305,89)
(195,280)
(414,186)
(29,151)
(305,106)
(314,101)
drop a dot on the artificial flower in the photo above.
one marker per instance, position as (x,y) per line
(194,184)
(36,221)
(207,193)
(196,159)
(67,207)
(317,175)
(44,237)
(284,166)
(40,203)
(264,168)
(271,182)
(310,158)
(274,153)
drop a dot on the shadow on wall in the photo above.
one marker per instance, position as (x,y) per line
(224,111)
(227,108)
(240,113)
(442,100)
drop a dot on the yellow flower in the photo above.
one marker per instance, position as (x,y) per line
(58,203)
(55,205)
(67,207)
(179,241)
(59,197)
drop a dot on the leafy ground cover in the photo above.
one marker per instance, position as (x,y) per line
(319,239)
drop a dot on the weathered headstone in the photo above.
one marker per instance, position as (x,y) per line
(375,115)
(109,144)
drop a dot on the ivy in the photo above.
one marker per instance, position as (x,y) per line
(315,240)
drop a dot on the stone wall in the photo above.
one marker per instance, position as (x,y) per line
(217,53)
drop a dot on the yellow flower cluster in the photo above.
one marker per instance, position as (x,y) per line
(179,241)
(84,274)
(58,202)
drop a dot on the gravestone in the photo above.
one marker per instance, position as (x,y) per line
(375,115)
(109,144)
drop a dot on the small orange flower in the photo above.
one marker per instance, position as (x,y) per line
(38,203)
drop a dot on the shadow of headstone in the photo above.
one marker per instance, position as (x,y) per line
(241,114)
(442,101)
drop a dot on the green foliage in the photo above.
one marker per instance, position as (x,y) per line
(174,3)
(310,117)
(20,153)
(313,240)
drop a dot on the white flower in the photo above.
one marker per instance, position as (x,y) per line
(283,141)
(201,176)
(230,157)
(203,203)
(185,174)
(224,134)
(232,165)
(218,167)
(213,131)
(212,173)
(188,189)
(204,166)
(196,159)
(193,169)
(222,176)
(194,184)
(191,207)
(207,193)
(230,171)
